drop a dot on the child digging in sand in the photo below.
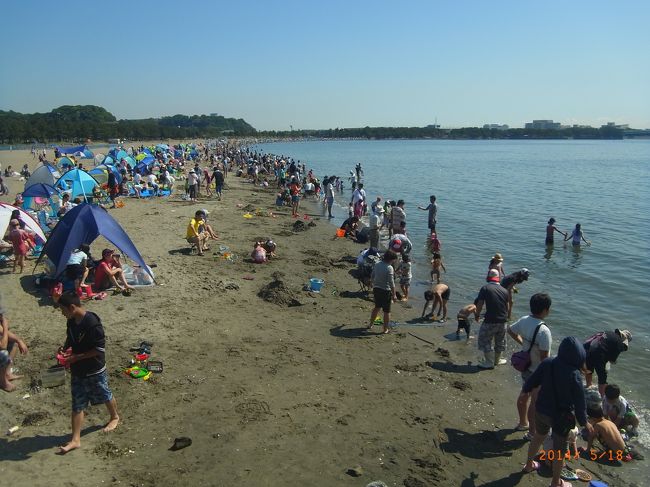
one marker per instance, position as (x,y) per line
(463,317)
(405,275)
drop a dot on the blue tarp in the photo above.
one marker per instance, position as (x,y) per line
(71,150)
(78,182)
(83,224)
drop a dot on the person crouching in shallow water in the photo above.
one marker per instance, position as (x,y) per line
(89,385)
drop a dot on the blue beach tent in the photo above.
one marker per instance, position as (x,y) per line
(40,190)
(83,224)
(78,182)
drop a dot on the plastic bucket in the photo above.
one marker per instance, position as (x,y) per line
(340,232)
(316,284)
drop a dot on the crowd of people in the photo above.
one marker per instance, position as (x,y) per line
(556,394)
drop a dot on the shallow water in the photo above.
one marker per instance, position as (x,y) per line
(496,196)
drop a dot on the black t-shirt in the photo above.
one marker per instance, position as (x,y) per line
(495,298)
(218,177)
(83,337)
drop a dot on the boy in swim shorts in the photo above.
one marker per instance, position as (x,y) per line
(463,318)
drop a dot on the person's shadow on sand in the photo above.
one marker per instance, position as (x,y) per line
(510,481)
(23,448)
(359,332)
(481,445)
(454,368)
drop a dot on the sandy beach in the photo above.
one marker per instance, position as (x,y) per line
(291,391)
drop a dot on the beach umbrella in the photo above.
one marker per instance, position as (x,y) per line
(83,224)
(30,223)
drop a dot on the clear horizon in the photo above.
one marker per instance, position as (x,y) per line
(332,65)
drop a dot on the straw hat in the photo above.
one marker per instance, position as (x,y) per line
(498,257)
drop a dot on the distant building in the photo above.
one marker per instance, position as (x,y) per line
(543,125)
(495,126)
(433,126)
(624,126)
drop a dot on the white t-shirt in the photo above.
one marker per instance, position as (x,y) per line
(358,195)
(525,328)
(616,408)
(77,257)
(151,178)
(330,190)
(373,221)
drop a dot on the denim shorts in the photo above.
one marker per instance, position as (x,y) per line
(93,389)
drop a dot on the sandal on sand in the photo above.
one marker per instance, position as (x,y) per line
(568,474)
(534,469)
(521,427)
(583,475)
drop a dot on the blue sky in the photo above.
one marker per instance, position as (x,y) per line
(332,64)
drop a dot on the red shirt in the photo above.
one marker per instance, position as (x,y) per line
(101,274)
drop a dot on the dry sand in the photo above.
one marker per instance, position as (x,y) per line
(270,394)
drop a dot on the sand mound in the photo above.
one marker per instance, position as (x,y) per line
(299,226)
(278,293)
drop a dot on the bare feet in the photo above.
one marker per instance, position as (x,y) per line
(8,387)
(111,425)
(73,445)
(14,377)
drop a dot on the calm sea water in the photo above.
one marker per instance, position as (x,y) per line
(496,196)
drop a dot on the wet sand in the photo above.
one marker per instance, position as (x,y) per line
(270,394)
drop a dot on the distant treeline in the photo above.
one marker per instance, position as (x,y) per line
(80,123)
(461,133)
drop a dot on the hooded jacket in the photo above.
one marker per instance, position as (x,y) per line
(561,382)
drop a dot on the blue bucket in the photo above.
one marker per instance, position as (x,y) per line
(316,284)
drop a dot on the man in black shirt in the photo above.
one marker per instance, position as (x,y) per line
(89,383)
(495,299)
(218,178)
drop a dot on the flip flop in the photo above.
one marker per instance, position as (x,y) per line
(567,474)
(583,475)
(180,443)
(535,467)
(519,427)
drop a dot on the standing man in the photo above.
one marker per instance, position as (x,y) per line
(383,288)
(397,216)
(374,224)
(218,178)
(534,335)
(85,335)
(433,213)
(329,195)
(495,299)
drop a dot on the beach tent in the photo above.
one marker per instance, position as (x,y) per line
(45,174)
(40,190)
(99,158)
(100,173)
(86,154)
(78,182)
(145,163)
(30,223)
(130,161)
(72,150)
(121,154)
(83,224)
(140,156)
(65,162)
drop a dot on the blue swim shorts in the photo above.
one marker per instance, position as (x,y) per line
(93,389)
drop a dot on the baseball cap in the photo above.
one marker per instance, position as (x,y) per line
(107,252)
(525,272)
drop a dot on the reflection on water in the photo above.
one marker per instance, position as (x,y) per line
(549,252)
(576,256)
